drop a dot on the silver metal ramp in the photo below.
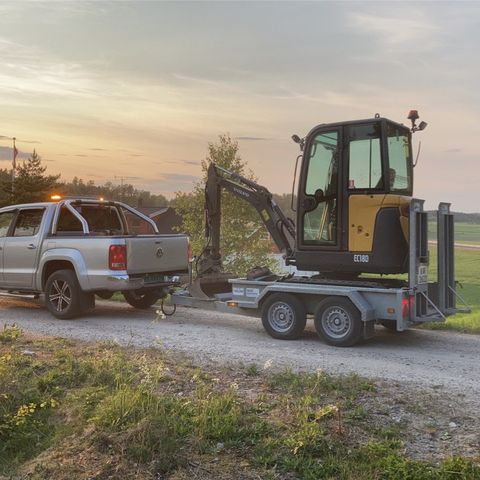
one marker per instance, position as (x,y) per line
(433,301)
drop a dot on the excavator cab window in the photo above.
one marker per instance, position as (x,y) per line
(399,156)
(321,191)
(365,160)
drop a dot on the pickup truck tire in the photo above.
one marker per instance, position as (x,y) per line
(141,300)
(284,316)
(64,297)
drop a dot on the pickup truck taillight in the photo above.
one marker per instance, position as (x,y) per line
(117,257)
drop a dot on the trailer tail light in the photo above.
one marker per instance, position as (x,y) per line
(117,257)
(407,304)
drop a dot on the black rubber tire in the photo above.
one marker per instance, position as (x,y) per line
(105,294)
(63,296)
(276,308)
(349,327)
(141,300)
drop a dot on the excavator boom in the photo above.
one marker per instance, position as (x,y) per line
(281,228)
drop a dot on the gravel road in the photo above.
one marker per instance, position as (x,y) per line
(429,358)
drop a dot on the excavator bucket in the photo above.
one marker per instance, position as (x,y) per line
(207,286)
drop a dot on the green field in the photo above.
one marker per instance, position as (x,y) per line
(464,232)
(467,272)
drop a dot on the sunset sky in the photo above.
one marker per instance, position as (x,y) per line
(105,90)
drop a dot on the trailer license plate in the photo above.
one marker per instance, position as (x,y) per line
(154,278)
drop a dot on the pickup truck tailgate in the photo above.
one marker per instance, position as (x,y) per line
(157,254)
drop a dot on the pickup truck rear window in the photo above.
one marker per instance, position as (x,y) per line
(101,219)
(28,223)
(136,225)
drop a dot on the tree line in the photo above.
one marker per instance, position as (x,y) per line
(33,184)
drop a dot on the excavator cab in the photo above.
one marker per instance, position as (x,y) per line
(353,197)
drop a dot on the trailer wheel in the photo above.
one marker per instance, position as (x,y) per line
(63,296)
(338,322)
(284,316)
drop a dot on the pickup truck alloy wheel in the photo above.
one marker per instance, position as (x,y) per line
(60,295)
(63,295)
(284,316)
(338,322)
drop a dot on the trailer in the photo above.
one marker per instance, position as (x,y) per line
(346,311)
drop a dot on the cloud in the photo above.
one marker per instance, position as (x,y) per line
(6,153)
(21,140)
(180,177)
(169,183)
(252,139)
(98,149)
(30,71)
(413,31)
(80,155)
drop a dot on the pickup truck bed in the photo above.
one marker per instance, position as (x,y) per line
(76,248)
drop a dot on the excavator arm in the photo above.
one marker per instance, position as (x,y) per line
(281,228)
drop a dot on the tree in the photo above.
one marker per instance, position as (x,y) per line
(5,187)
(244,239)
(31,182)
(126,193)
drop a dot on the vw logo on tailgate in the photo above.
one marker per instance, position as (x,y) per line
(159,252)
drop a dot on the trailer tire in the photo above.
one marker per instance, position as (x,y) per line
(284,316)
(64,297)
(141,300)
(338,322)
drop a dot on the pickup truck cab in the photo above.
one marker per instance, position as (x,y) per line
(75,248)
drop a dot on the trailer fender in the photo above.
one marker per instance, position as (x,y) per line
(367,312)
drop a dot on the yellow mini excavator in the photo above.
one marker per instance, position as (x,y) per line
(352,202)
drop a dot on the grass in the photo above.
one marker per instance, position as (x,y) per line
(464,232)
(84,411)
(467,272)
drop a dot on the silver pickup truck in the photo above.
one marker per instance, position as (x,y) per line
(75,248)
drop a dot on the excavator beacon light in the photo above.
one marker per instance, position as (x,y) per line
(413,115)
